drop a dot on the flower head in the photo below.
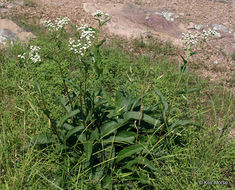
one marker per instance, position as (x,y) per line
(34,54)
(84,43)
(22,56)
(57,25)
(189,39)
(101,16)
(208,33)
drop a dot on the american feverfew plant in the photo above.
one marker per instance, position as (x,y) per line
(191,40)
(101,17)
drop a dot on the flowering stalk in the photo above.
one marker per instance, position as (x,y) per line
(101,17)
(190,41)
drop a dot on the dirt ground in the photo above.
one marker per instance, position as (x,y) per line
(214,62)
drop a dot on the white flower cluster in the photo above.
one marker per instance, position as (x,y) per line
(100,15)
(81,45)
(208,33)
(33,54)
(189,39)
(22,56)
(59,24)
(3,40)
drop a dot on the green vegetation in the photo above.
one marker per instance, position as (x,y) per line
(103,118)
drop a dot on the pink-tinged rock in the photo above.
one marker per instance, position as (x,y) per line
(132,21)
(12,31)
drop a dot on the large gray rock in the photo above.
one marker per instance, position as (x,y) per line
(10,31)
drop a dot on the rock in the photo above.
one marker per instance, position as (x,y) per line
(222,1)
(9,35)
(190,26)
(131,21)
(198,26)
(218,35)
(12,32)
(219,27)
(169,16)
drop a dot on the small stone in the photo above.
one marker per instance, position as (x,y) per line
(198,26)
(222,1)
(190,26)
(219,27)
(217,34)
(181,14)
(215,62)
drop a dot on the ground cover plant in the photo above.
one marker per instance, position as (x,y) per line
(79,114)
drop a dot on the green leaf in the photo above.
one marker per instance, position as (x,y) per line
(136,103)
(189,91)
(111,127)
(123,137)
(37,86)
(88,147)
(141,161)
(73,131)
(95,134)
(184,60)
(44,138)
(165,104)
(107,182)
(148,119)
(128,151)
(100,43)
(184,123)
(69,115)
(183,67)
(65,103)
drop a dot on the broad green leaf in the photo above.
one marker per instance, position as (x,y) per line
(68,126)
(95,134)
(88,147)
(128,151)
(69,115)
(123,137)
(111,127)
(136,103)
(141,161)
(44,138)
(148,119)
(107,182)
(65,103)
(73,131)
(98,174)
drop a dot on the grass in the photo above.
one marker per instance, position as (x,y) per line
(180,161)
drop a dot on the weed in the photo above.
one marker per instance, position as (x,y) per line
(93,119)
